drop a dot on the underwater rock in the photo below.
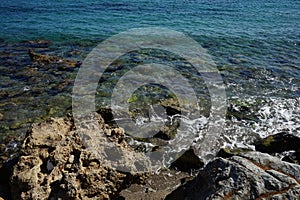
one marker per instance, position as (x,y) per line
(243,113)
(73,53)
(42,59)
(54,164)
(37,43)
(278,143)
(167,132)
(251,175)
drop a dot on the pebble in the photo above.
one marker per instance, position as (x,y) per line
(26,88)
(71,159)
(149,190)
(50,166)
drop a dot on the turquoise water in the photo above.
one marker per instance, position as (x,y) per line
(255,44)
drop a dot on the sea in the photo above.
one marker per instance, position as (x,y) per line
(255,45)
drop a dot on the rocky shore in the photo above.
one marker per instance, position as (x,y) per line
(53,163)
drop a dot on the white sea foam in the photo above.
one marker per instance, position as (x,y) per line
(279,115)
(274,116)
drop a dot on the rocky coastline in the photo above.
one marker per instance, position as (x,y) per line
(51,161)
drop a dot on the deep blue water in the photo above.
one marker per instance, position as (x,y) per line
(255,44)
(91,19)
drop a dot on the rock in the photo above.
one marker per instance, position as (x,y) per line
(278,143)
(241,112)
(163,134)
(251,175)
(73,53)
(55,164)
(46,59)
(5,173)
(228,152)
(292,157)
(157,186)
(107,115)
(37,43)
(187,162)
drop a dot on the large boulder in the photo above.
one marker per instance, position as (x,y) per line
(54,164)
(250,175)
(283,144)
(278,143)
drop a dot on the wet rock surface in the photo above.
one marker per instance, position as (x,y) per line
(251,175)
(284,145)
(292,157)
(278,143)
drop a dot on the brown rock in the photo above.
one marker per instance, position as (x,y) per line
(157,186)
(55,164)
(46,59)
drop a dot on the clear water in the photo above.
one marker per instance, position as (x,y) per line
(255,44)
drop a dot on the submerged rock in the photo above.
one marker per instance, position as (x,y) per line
(251,175)
(55,164)
(46,59)
(37,43)
(240,112)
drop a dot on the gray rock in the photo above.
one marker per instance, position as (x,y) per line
(250,175)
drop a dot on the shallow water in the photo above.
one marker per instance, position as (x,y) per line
(255,45)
